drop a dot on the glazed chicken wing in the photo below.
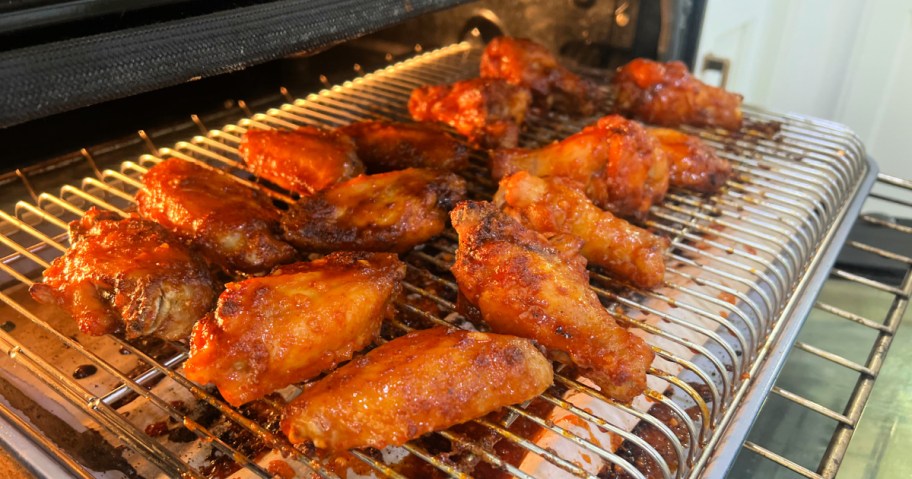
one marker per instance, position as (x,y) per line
(522,285)
(234,226)
(424,381)
(304,161)
(525,63)
(694,165)
(557,206)
(290,326)
(487,111)
(667,94)
(387,212)
(621,165)
(127,276)
(387,146)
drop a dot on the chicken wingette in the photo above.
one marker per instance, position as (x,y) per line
(558,206)
(489,112)
(526,63)
(667,94)
(234,226)
(303,319)
(392,211)
(522,285)
(424,381)
(388,146)
(622,167)
(128,275)
(303,161)
(694,165)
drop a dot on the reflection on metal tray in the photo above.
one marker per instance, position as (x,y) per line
(739,265)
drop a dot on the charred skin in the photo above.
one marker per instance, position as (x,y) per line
(272,331)
(392,211)
(234,226)
(524,286)
(130,276)
(424,381)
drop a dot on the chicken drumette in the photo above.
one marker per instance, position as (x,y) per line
(522,285)
(234,226)
(694,165)
(667,94)
(556,206)
(424,381)
(290,326)
(127,276)
(525,63)
(388,146)
(620,164)
(487,111)
(386,212)
(304,161)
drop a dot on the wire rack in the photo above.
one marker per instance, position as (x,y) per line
(738,264)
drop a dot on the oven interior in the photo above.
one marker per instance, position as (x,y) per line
(723,326)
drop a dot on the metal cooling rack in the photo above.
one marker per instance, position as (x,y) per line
(738,264)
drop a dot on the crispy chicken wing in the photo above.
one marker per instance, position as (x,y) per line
(387,146)
(622,166)
(290,326)
(667,94)
(424,381)
(694,165)
(522,285)
(558,206)
(386,212)
(127,276)
(487,111)
(526,63)
(234,226)
(304,161)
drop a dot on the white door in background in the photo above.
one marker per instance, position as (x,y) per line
(848,61)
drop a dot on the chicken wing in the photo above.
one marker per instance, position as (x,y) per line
(667,94)
(694,165)
(522,285)
(487,111)
(234,226)
(290,326)
(526,63)
(558,206)
(387,146)
(424,381)
(387,212)
(127,276)
(622,166)
(304,161)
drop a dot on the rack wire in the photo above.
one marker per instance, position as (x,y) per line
(736,261)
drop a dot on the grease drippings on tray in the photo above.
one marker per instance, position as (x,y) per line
(84,371)
(8,326)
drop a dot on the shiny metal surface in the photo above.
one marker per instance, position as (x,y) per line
(738,269)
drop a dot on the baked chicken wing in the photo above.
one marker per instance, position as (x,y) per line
(386,212)
(522,285)
(487,111)
(557,206)
(387,146)
(526,63)
(304,161)
(621,165)
(234,226)
(421,382)
(694,165)
(667,94)
(290,326)
(127,276)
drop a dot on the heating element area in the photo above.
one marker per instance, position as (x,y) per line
(740,265)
